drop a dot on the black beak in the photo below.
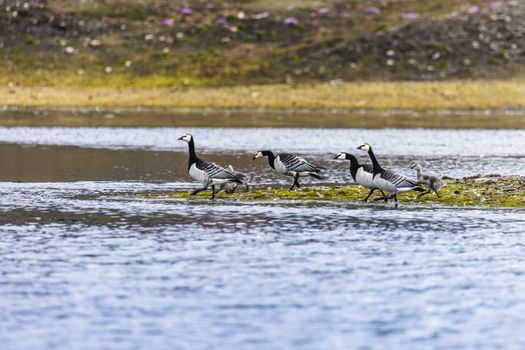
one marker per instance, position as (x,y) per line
(253,158)
(337,156)
(180,138)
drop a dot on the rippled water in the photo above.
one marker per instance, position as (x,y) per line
(86,265)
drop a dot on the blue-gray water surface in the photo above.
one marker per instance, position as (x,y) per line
(85,264)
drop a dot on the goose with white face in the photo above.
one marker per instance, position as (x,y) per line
(365,147)
(258,155)
(341,156)
(186,137)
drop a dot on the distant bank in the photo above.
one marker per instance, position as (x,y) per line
(418,96)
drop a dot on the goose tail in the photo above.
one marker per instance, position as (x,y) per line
(318,175)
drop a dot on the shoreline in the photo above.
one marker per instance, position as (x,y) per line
(452,96)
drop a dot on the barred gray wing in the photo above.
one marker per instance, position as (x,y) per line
(398,180)
(296,163)
(214,171)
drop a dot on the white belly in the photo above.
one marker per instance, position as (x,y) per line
(219,181)
(279,166)
(364,178)
(383,184)
(198,174)
(404,189)
(300,174)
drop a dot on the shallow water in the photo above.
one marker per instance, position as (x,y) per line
(86,265)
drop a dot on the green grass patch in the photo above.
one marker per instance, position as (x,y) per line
(495,192)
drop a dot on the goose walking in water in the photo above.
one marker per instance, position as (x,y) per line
(361,173)
(291,165)
(387,180)
(207,173)
(431,182)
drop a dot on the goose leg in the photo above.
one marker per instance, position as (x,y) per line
(221,187)
(295,182)
(231,190)
(198,190)
(437,194)
(369,194)
(383,197)
(395,199)
(212,192)
(424,193)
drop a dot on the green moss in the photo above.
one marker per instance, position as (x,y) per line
(482,192)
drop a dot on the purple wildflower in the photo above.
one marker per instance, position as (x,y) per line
(372,10)
(494,5)
(473,9)
(323,10)
(168,22)
(222,21)
(291,21)
(186,10)
(410,15)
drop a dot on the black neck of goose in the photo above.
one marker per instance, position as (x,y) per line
(193,156)
(375,163)
(271,158)
(354,166)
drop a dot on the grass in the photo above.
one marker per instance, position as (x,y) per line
(499,192)
(366,95)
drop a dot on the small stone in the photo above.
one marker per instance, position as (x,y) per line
(390,53)
(108,70)
(390,62)
(127,63)
(95,43)
(69,50)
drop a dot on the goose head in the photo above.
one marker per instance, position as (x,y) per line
(261,154)
(341,156)
(365,147)
(416,166)
(186,137)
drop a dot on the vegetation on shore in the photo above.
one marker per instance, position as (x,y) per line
(152,43)
(477,191)
(366,95)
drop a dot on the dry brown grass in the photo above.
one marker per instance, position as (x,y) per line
(369,95)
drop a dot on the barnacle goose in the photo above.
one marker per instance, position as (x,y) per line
(430,181)
(387,180)
(207,173)
(232,186)
(361,173)
(292,165)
